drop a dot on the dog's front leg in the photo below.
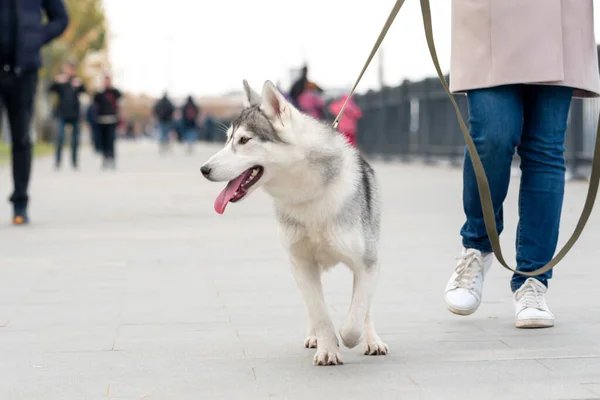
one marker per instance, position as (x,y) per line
(373,344)
(311,340)
(308,278)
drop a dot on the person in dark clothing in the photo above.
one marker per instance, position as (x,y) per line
(209,127)
(106,104)
(90,117)
(190,113)
(163,111)
(300,85)
(130,130)
(68,87)
(22,34)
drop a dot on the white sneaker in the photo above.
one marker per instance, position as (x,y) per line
(531,308)
(463,292)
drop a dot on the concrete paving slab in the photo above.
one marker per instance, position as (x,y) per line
(129,286)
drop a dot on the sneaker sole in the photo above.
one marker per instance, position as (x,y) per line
(460,311)
(534,323)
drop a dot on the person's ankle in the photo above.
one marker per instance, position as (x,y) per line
(515,284)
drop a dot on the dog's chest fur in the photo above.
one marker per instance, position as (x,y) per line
(323,240)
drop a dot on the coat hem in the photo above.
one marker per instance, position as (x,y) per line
(579,91)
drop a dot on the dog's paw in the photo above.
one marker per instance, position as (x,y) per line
(376,348)
(325,357)
(310,342)
(350,337)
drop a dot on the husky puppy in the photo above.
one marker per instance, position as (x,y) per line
(326,202)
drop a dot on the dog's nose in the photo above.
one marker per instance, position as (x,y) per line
(205,170)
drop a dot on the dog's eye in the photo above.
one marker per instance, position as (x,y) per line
(244,140)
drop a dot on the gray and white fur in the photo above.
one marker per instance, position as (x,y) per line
(327,203)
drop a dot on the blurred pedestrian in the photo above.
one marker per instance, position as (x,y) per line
(190,114)
(94,129)
(164,111)
(312,103)
(209,128)
(68,87)
(348,123)
(300,85)
(22,35)
(106,103)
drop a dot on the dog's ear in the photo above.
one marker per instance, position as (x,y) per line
(251,98)
(274,104)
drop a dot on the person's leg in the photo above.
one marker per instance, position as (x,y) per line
(112,133)
(496,121)
(95,131)
(191,137)
(103,142)
(540,199)
(163,140)
(18,99)
(74,143)
(542,179)
(60,139)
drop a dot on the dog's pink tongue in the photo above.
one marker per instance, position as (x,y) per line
(227,194)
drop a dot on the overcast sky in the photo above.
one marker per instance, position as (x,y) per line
(207,47)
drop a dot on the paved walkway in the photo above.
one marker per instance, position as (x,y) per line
(129,286)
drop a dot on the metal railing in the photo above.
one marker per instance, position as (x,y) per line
(417,120)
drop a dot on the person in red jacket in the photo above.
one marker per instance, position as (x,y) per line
(348,124)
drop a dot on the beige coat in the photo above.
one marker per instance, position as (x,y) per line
(498,42)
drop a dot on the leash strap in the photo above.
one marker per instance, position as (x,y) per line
(482,182)
(384,30)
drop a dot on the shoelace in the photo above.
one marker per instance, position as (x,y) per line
(532,297)
(467,270)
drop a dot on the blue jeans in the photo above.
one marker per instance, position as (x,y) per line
(191,135)
(164,129)
(531,119)
(61,139)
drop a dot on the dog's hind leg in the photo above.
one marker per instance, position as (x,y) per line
(308,278)
(365,280)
